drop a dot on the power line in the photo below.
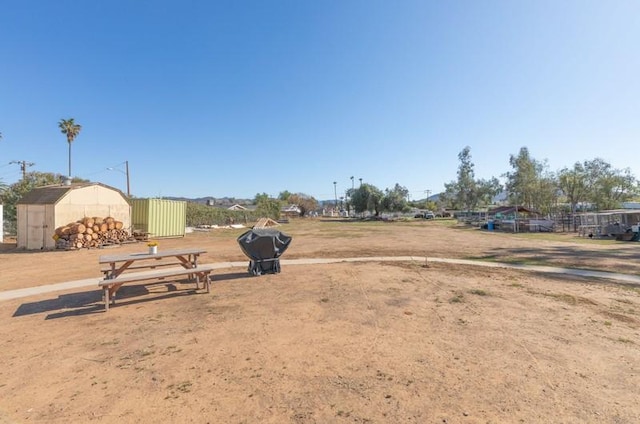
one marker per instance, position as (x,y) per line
(23,166)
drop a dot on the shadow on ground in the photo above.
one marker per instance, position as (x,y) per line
(614,260)
(232,276)
(89,302)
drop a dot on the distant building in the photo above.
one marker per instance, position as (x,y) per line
(290,211)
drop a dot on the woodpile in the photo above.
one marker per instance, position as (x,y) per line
(91,232)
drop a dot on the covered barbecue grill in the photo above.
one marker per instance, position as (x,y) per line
(264,246)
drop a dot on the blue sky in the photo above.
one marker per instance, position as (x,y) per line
(234,98)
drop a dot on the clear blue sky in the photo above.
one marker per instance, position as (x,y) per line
(234,98)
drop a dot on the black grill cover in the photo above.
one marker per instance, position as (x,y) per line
(263,246)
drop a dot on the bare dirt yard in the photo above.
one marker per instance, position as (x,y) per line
(368,342)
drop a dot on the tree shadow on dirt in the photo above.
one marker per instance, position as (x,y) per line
(578,279)
(90,302)
(625,260)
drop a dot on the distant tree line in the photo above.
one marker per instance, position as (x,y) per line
(10,195)
(592,184)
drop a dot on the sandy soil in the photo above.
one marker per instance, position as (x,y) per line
(343,343)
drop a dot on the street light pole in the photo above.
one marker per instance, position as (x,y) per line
(126,163)
(127,168)
(335,193)
(360,181)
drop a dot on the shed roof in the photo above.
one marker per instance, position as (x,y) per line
(511,209)
(51,194)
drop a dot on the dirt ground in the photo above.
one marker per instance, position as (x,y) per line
(369,342)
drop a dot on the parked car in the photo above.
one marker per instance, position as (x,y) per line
(425,215)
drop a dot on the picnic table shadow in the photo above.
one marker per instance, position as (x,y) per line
(90,302)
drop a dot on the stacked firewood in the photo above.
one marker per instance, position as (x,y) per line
(91,232)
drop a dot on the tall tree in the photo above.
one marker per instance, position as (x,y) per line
(546,193)
(367,198)
(523,181)
(467,193)
(395,199)
(260,197)
(284,195)
(573,183)
(71,130)
(608,187)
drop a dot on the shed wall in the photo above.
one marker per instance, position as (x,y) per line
(37,222)
(159,217)
(35,226)
(92,201)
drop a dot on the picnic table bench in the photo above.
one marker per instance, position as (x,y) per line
(158,266)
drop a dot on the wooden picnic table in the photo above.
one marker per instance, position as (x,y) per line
(117,264)
(117,268)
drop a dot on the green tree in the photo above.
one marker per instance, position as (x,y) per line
(546,194)
(367,198)
(609,187)
(260,197)
(284,195)
(522,182)
(395,199)
(573,183)
(268,207)
(467,192)
(69,128)
(12,194)
(424,204)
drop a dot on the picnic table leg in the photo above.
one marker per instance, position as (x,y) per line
(106,298)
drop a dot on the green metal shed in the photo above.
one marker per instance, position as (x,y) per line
(159,217)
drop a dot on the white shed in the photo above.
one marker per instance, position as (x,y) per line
(42,210)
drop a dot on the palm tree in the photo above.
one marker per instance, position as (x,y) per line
(71,130)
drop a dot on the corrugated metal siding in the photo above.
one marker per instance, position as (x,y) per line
(160,217)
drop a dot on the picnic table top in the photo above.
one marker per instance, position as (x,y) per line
(105,259)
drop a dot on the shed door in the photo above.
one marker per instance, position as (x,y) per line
(35,227)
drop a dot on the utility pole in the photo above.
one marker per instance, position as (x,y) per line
(126,164)
(23,166)
(128,189)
